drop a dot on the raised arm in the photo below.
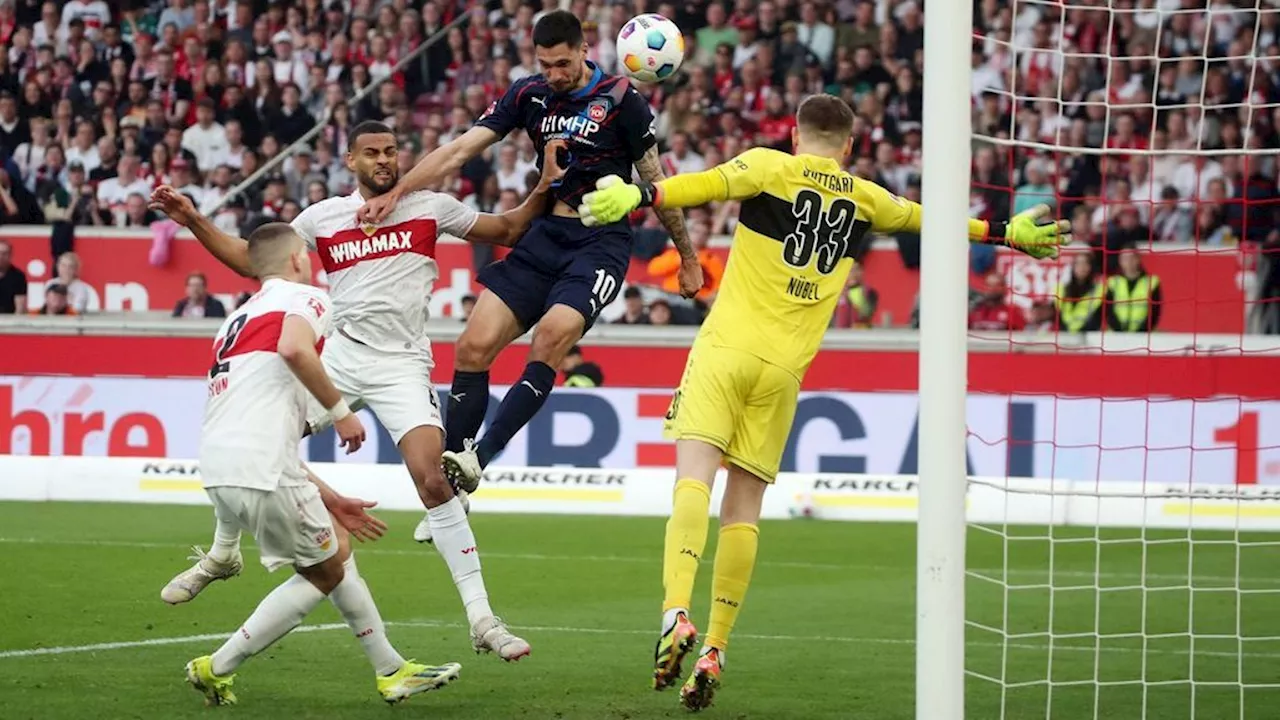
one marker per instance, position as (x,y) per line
(737,179)
(230,251)
(649,168)
(430,172)
(506,228)
(1024,232)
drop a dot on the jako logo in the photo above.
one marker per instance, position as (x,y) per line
(469,550)
(727,601)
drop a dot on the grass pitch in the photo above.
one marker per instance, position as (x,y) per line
(827,629)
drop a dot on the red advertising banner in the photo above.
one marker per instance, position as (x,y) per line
(1112,375)
(1204,290)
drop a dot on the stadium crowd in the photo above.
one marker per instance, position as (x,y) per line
(100,102)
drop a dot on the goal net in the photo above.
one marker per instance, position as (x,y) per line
(1127,564)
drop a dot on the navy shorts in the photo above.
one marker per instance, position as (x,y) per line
(560,261)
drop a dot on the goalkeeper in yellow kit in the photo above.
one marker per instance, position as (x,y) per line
(802,217)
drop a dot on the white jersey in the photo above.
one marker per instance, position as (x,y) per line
(256,411)
(381,277)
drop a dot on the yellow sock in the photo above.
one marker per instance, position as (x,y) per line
(735,559)
(685,541)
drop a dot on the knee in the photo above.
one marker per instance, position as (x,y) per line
(553,341)
(432,485)
(474,352)
(326,576)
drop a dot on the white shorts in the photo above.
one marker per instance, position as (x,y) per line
(290,524)
(396,387)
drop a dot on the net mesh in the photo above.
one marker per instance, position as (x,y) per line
(1143,580)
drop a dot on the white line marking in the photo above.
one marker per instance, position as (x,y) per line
(185,639)
(367,549)
(993,573)
(127,644)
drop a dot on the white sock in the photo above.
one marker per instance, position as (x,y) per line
(226,541)
(455,541)
(278,613)
(669,618)
(354,601)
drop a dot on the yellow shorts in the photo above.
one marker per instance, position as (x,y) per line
(738,403)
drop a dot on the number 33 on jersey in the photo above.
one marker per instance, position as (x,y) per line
(801,222)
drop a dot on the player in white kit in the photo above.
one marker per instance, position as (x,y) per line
(378,355)
(266,367)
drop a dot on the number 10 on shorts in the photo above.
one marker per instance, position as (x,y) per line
(605,287)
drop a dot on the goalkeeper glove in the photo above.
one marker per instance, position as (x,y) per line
(1025,234)
(613,200)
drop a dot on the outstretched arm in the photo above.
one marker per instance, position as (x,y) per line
(430,172)
(891,213)
(649,167)
(230,251)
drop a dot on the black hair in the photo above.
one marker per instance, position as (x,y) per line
(368,127)
(558,26)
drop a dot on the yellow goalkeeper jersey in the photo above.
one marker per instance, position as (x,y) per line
(802,218)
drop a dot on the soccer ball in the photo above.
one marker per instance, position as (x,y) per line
(650,48)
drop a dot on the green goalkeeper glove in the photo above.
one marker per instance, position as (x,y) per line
(1025,233)
(613,200)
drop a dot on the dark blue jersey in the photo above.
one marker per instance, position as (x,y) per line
(608,126)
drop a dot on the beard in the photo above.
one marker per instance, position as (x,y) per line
(380,184)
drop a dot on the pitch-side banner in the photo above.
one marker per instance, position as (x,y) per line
(1204,290)
(1167,441)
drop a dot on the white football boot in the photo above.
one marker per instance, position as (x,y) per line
(188,583)
(491,635)
(463,468)
(422,533)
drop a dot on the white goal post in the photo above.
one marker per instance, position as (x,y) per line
(1173,611)
(940,559)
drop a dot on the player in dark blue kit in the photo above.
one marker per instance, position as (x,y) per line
(561,274)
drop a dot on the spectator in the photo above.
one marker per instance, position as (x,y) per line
(1133,297)
(680,158)
(17,205)
(1044,317)
(13,283)
(993,311)
(55,301)
(511,175)
(78,292)
(468,305)
(857,306)
(578,372)
(14,129)
(207,140)
(291,121)
(136,214)
(113,193)
(1036,188)
(659,312)
(666,267)
(1080,297)
(199,303)
(714,34)
(633,312)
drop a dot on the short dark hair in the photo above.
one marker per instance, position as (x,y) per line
(827,117)
(558,26)
(368,127)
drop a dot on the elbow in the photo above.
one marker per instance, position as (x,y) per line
(291,352)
